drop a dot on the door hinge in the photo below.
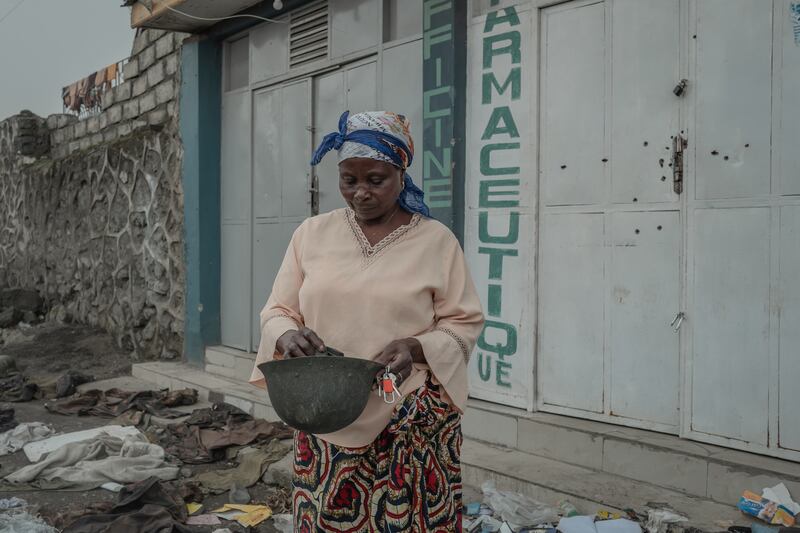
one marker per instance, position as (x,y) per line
(314,192)
(678,145)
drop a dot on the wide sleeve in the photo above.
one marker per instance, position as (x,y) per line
(458,322)
(282,311)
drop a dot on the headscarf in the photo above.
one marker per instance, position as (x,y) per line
(379,135)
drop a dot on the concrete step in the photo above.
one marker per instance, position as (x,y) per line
(212,388)
(697,469)
(551,482)
(229,362)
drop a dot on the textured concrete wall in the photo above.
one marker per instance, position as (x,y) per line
(91,211)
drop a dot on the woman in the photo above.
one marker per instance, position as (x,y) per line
(378,279)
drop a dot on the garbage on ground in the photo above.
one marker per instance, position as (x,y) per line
(112,403)
(238,494)
(15,439)
(20,521)
(659,520)
(91,463)
(193,508)
(767,510)
(577,524)
(203,520)
(483,524)
(36,450)
(587,524)
(516,509)
(780,495)
(607,515)
(208,432)
(144,507)
(12,503)
(7,419)
(246,515)
(251,468)
(567,509)
(283,522)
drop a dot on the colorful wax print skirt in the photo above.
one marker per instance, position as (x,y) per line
(408,479)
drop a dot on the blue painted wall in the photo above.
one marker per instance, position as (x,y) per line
(200,108)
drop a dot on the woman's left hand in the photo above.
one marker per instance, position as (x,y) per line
(399,356)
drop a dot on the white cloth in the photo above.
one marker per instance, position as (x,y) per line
(89,464)
(14,439)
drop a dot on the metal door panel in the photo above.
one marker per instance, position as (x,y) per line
(645,289)
(789,295)
(733,119)
(295,150)
(788,115)
(235,152)
(573,124)
(572,311)
(354,26)
(361,90)
(235,285)
(267,159)
(269,51)
(730,370)
(270,240)
(645,49)
(329,104)
(235,210)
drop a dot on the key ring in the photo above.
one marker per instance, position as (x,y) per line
(387,387)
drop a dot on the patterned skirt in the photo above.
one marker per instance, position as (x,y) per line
(408,479)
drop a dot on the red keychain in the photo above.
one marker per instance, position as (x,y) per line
(388,387)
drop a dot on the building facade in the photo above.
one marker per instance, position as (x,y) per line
(623,174)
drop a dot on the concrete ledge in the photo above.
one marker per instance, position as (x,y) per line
(230,363)
(698,469)
(551,481)
(212,388)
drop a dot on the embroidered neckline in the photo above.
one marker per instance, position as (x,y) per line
(371,251)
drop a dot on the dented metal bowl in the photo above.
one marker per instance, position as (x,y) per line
(319,394)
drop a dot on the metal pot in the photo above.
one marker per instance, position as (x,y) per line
(319,394)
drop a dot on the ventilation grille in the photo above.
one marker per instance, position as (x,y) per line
(308,34)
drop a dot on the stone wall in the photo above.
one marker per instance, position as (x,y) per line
(91,211)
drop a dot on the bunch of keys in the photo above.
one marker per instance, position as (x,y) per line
(387,388)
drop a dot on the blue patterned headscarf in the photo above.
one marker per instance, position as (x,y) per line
(382,136)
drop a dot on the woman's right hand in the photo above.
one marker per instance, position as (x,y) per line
(299,343)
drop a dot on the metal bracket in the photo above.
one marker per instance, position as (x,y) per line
(678,144)
(678,320)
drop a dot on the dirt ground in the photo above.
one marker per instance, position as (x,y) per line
(45,351)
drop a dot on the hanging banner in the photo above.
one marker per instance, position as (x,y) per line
(499,217)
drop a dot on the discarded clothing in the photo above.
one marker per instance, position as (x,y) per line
(88,464)
(16,388)
(12,503)
(114,402)
(60,517)
(251,467)
(7,420)
(13,440)
(67,384)
(145,507)
(204,436)
(34,451)
(23,522)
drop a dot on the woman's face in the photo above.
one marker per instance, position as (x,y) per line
(369,187)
